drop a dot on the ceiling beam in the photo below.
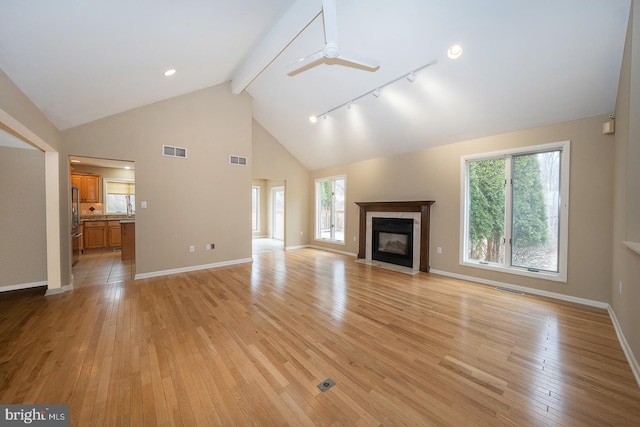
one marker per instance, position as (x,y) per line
(293,22)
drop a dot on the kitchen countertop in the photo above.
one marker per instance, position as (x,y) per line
(107,218)
(128,221)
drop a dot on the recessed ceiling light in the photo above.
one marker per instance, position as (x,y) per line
(170,72)
(75,161)
(454,51)
(127,167)
(313,119)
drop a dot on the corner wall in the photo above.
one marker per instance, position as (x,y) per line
(625,280)
(272,161)
(196,200)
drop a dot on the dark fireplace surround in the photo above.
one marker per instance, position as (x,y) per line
(423,207)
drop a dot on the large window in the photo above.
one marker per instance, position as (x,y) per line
(330,209)
(255,208)
(120,196)
(515,211)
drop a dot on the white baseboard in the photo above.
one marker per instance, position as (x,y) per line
(22,286)
(192,268)
(633,362)
(322,248)
(524,289)
(58,291)
(293,248)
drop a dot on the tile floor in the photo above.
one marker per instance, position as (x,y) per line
(264,244)
(99,267)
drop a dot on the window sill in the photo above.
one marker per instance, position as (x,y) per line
(634,246)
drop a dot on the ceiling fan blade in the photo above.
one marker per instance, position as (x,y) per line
(304,62)
(359,60)
(330,19)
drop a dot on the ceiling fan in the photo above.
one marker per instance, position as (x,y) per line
(331,49)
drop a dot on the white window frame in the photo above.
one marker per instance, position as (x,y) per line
(257,204)
(318,224)
(505,267)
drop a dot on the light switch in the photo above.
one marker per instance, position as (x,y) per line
(143,204)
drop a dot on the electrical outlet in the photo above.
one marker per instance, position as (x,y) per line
(439,250)
(209,246)
(355,238)
(192,248)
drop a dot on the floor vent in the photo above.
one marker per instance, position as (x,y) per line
(326,385)
(170,151)
(511,291)
(238,160)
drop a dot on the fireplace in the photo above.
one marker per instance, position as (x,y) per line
(392,241)
(418,212)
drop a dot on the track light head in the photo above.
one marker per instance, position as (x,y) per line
(411,77)
(376,93)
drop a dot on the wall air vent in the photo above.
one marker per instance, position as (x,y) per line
(168,150)
(237,160)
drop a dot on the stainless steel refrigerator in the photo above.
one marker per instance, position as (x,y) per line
(76,234)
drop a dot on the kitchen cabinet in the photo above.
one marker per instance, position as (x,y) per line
(114,236)
(128,240)
(95,236)
(89,186)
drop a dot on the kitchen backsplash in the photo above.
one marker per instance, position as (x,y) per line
(85,209)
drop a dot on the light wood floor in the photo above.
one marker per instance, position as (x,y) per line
(247,345)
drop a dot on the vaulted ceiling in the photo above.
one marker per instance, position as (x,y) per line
(525,64)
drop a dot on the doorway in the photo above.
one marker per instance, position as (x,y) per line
(105,220)
(277,202)
(268,215)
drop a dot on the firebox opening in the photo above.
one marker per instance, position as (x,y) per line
(393,240)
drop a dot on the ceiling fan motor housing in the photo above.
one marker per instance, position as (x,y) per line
(331,50)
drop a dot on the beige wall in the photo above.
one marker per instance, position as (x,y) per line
(272,161)
(21,115)
(16,104)
(626,263)
(23,255)
(194,201)
(434,174)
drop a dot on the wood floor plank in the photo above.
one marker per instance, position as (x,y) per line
(248,344)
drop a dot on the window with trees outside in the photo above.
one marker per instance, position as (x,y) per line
(515,211)
(330,198)
(255,212)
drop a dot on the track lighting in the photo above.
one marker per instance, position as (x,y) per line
(375,92)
